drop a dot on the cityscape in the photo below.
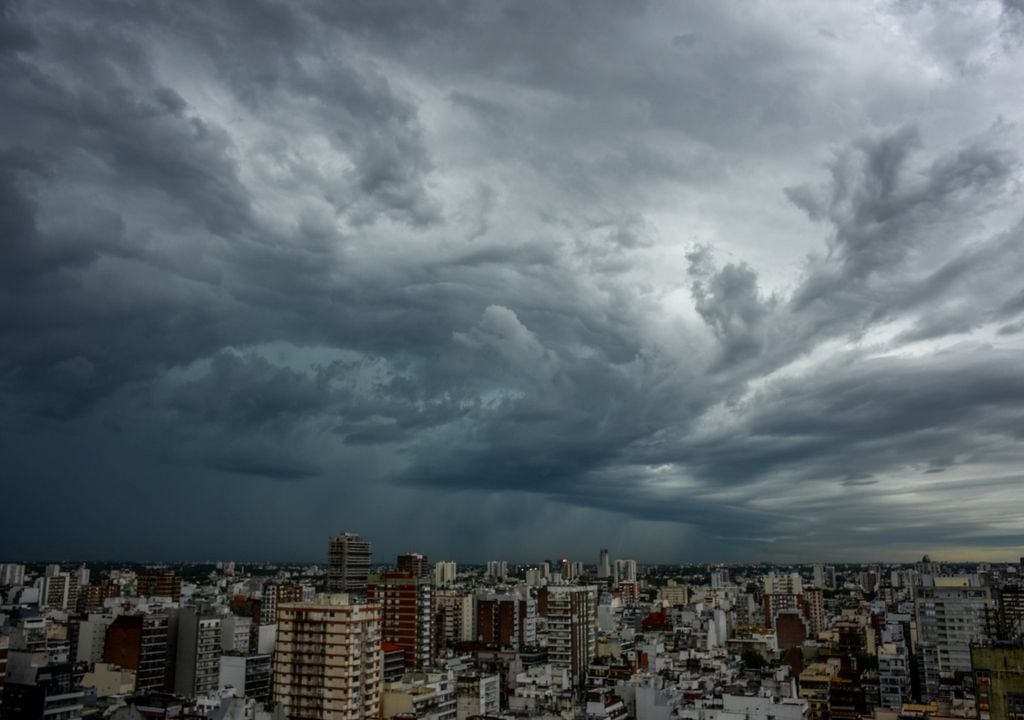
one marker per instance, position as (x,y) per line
(511,360)
(360,639)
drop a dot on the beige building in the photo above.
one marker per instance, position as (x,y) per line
(426,695)
(327,659)
(572,628)
(815,683)
(109,679)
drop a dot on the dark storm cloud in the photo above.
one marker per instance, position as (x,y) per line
(716,269)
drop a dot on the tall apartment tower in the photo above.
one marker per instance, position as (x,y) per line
(951,616)
(140,643)
(407,614)
(348,563)
(625,570)
(445,572)
(604,564)
(327,659)
(783,584)
(60,591)
(197,663)
(572,628)
(497,569)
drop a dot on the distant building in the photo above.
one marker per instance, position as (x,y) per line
(60,591)
(445,572)
(12,574)
(604,565)
(674,594)
(497,569)
(625,571)
(348,563)
(159,582)
(783,584)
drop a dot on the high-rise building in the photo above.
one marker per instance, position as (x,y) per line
(604,564)
(893,675)
(348,563)
(783,584)
(327,659)
(719,578)
(60,591)
(139,642)
(1010,613)
(814,609)
(197,660)
(625,570)
(572,628)
(454,618)
(413,563)
(497,569)
(818,575)
(445,572)
(951,615)
(11,574)
(406,614)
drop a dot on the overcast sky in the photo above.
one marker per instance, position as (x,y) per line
(690,281)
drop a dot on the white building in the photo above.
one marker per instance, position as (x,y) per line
(625,571)
(445,572)
(477,694)
(197,667)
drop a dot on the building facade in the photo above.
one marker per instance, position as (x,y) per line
(327,659)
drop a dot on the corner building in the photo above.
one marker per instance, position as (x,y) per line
(327,661)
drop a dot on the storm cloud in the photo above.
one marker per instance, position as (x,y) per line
(704,282)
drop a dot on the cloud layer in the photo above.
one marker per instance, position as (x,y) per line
(718,281)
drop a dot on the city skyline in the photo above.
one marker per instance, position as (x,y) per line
(699,282)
